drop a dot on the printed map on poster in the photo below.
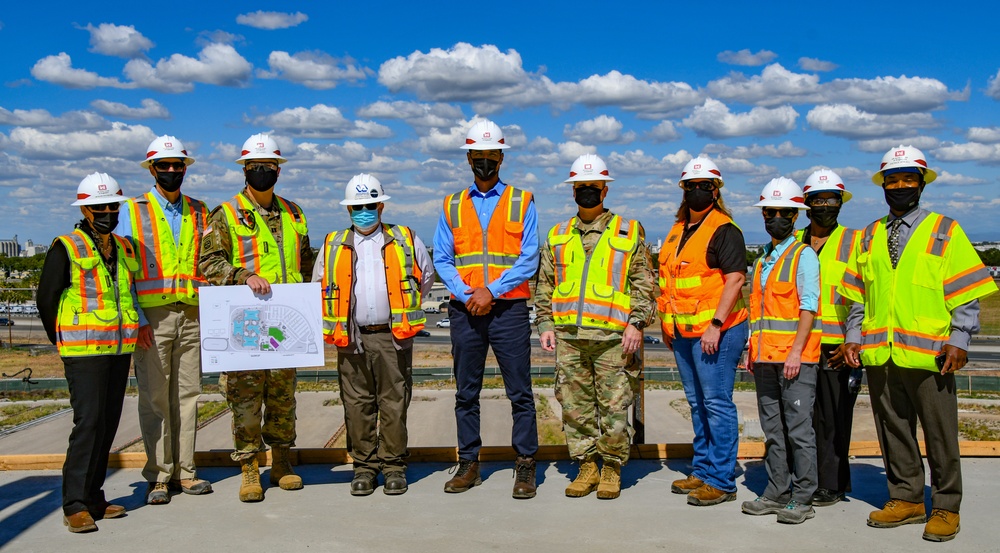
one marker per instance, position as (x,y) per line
(241,331)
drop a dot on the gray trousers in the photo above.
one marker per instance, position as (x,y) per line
(786,409)
(901,397)
(375,388)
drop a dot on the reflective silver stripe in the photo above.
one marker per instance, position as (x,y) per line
(148,238)
(329,324)
(88,335)
(846,241)
(454,203)
(401,238)
(874,338)
(476,259)
(835,328)
(776,325)
(979,275)
(939,240)
(248,261)
(152,284)
(411,316)
(785,274)
(87,277)
(918,341)
(854,280)
(514,215)
(869,235)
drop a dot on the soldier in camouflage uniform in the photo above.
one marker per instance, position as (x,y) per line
(595,293)
(259,238)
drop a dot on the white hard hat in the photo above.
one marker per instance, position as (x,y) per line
(825,180)
(782,192)
(589,167)
(363,189)
(484,135)
(98,188)
(260,146)
(902,157)
(701,168)
(163,147)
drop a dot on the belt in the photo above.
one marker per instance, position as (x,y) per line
(374,329)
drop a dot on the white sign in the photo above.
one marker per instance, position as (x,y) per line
(241,331)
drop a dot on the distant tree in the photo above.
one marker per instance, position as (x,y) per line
(990,257)
(752,255)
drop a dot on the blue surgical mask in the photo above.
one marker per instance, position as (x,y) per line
(364,219)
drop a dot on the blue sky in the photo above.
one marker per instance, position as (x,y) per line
(390,88)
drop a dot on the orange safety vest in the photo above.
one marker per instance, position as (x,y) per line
(402,278)
(168,272)
(689,289)
(774,312)
(482,256)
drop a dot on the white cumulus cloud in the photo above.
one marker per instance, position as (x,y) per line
(714,120)
(316,70)
(883,145)
(43,120)
(599,130)
(118,141)
(986,135)
(121,41)
(664,131)
(218,64)
(847,121)
(970,151)
(745,57)
(785,149)
(813,64)
(955,179)
(651,99)
(321,121)
(151,109)
(993,87)
(420,116)
(271,20)
(59,70)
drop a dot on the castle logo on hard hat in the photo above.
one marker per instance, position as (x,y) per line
(103,187)
(823,177)
(776,193)
(900,153)
(168,145)
(588,167)
(696,166)
(486,135)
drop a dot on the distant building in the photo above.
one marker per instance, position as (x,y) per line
(31,249)
(10,247)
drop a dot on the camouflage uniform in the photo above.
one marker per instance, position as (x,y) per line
(595,380)
(248,391)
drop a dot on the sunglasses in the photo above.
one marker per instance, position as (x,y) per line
(707,186)
(167,165)
(785,212)
(261,167)
(821,202)
(370,207)
(105,207)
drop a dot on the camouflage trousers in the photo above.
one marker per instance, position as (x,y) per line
(595,385)
(251,392)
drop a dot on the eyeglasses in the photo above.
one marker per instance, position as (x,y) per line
(261,167)
(105,207)
(785,212)
(821,202)
(370,207)
(705,185)
(902,180)
(167,165)
(491,154)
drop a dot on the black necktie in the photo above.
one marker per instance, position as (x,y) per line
(894,241)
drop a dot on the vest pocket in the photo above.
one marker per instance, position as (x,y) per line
(512,232)
(783,292)
(928,271)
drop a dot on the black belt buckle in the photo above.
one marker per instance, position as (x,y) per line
(373,329)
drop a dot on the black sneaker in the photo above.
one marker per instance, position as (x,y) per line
(824,498)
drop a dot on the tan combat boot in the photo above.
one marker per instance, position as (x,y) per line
(586,480)
(897,512)
(250,489)
(282,474)
(610,486)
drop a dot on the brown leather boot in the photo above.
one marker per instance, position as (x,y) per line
(610,486)
(282,474)
(709,495)
(524,477)
(687,485)
(586,480)
(250,489)
(80,522)
(942,525)
(466,477)
(897,512)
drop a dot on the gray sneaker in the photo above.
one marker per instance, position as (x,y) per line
(762,506)
(796,513)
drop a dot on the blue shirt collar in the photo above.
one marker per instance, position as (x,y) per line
(165,204)
(781,247)
(495,191)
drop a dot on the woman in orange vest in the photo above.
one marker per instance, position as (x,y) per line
(703,319)
(784,356)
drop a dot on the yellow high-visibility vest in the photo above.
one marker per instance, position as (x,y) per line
(96,315)
(592,291)
(908,309)
(254,246)
(832,316)
(168,272)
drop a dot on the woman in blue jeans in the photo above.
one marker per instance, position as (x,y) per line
(704,321)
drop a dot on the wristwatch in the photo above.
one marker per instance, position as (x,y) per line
(639,325)
(716,323)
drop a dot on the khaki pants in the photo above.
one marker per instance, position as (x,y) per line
(375,388)
(169,378)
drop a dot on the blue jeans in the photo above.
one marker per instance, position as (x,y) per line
(708,384)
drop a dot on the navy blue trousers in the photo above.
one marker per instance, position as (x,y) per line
(506,329)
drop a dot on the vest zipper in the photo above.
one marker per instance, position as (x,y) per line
(581,303)
(118,305)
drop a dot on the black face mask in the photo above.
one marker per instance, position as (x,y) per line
(824,216)
(485,168)
(902,199)
(169,181)
(778,227)
(698,199)
(105,221)
(261,179)
(587,196)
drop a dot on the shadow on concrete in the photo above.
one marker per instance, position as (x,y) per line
(45,495)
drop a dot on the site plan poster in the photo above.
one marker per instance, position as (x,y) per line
(241,331)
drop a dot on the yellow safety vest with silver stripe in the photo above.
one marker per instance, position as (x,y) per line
(593,291)
(168,272)
(255,248)
(908,309)
(402,278)
(833,259)
(96,315)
